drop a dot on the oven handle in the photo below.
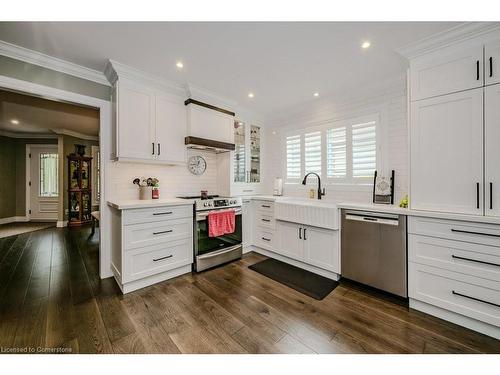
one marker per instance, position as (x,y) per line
(218,252)
(203,215)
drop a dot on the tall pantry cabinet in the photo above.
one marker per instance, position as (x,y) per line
(455,130)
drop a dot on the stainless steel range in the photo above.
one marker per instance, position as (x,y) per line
(213,251)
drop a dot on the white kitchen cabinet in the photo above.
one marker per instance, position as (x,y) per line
(291,243)
(492,63)
(247,222)
(446,153)
(319,248)
(447,70)
(492,149)
(209,123)
(135,121)
(247,161)
(170,129)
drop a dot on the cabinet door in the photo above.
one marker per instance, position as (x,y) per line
(290,240)
(254,169)
(321,248)
(492,149)
(446,71)
(446,153)
(492,63)
(247,222)
(171,127)
(136,121)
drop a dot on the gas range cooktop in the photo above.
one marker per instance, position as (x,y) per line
(214,202)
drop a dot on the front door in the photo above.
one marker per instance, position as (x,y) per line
(43,184)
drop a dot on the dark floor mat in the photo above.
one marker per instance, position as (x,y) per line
(308,283)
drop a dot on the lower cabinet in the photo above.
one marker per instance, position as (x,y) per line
(315,246)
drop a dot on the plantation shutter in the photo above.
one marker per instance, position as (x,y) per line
(364,148)
(336,152)
(293,156)
(312,152)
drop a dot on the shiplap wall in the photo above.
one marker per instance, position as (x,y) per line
(389,101)
(174,180)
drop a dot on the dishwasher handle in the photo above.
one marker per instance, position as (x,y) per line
(385,220)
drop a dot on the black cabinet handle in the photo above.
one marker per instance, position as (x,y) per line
(474,260)
(491,66)
(474,298)
(477,70)
(305,238)
(265,206)
(159,149)
(266,220)
(300,233)
(491,195)
(162,213)
(153,148)
(157,259)
(266,239)
(479,233)
(477,195)
(162,232)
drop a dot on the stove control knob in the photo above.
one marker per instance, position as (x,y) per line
(205,204)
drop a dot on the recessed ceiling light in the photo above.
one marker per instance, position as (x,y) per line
(179,64)
(240,123)
(274,131)
(316,94)
(365,44)
(251,95)
(14,121)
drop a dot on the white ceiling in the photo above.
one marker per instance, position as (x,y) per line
(283,64)
(42,116)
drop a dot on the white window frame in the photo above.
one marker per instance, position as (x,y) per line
(348,181)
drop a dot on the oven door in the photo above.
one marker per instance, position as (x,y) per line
(205,244)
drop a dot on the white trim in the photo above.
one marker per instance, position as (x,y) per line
(52,63)
(6,133)
(461,33)
(105,145)
(72,133)
(13,219)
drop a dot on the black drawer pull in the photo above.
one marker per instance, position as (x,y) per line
(305,238)
(266,220)
(491,66)
(475,260)
(162,213)
(469,232)
(266,239)
(157,259)
(266,206)
(162,232)
(491,195)
(477,195)
(159,149)
(300,233)
(477,70)
(475,299)
(153,148)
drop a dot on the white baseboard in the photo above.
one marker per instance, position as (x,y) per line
(13,219)
(61,223)
(461,320)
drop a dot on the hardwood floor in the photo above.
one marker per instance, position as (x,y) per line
(52,298)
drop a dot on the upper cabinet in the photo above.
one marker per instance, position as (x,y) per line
(492,149)
(149,124)
(492,63)
(446,71)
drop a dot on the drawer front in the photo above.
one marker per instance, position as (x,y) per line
(486,234)
(264,221)
(467,295)
(264,238)
(150,215)
(141,235)
(264,207)
(464,257)
(152,260)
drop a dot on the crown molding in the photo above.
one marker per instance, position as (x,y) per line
(8,134)
(52,63)
(460,33)
(72,133)
(115,69)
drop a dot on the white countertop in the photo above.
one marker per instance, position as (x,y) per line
(137,203)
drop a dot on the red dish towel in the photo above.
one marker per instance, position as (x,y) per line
(221,222)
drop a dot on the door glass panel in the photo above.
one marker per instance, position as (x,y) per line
(74,172)
(254,153)
(85,174)
(239,151)
(49,175)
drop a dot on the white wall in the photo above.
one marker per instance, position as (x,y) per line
(174,180)
(388,99)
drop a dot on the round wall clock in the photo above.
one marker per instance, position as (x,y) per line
(197,165)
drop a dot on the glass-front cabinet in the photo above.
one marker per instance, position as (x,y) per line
(79,190)
(247,158)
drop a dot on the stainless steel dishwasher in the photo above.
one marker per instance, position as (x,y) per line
(373,250)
